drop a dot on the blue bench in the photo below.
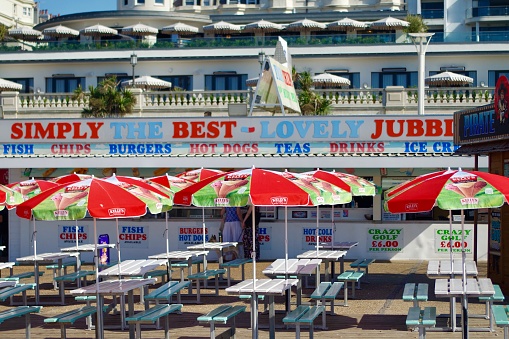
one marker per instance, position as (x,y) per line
(500,314)
(222,314)
(205,275)
(9,292)
(152,315)
(303,315)
(235,263)
(352,277)
(415,293)
(71,277)
(422,319)
(362,264)
(497,297)
(166,291)
(56,267)
(326,291)
(68,318)
(18,312)
(182,265)
(22,275)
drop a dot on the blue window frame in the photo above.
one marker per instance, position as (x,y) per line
(225,82)
(64,84)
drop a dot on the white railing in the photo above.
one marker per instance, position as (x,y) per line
(195,103)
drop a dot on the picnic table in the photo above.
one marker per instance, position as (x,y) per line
(132,268)
(45,258)
(219,247)
(448,269)
(327,256)
(122,288)
(452,288)
(265,287)
(294,267)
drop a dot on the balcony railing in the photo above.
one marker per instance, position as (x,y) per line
(490,11)
(195,103)
(247,41)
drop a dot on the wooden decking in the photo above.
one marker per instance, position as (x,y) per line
(377,312)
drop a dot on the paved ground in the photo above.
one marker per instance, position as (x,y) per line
(378,311)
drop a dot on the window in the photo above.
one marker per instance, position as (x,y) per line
(27,11)
(181,81)
(494,75)
(226,82)
(27,83)
(64,84)
(394,78)
(159,2)
(126,2)
(140,2)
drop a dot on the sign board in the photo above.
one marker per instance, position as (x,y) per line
(444,240)
(67,235)
(133,236)
(485,123)
(385,240)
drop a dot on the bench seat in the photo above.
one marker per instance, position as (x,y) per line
(239,262)
(497,297)
(182,265)
(221,314)
(501,317)
(152,315)
(71,277)
(422,319)
(55,267)
(9,292)
(415,293)
(71,316)
(23,275)
(18,312)
(362,264)
(304,315)
(326,291)
(205,275)
(352,277)
(166,291)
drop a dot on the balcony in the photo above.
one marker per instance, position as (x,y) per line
(195,103)
(490,11)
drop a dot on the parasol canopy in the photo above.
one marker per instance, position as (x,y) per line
(25,33)
(448,79)
(148,82)
(262,26)
(179,28)
(6,85)
(252,82)
(222,27)
(60,31)
(98,31)
(305,25)
(389,23)
(140,30)
(346,24)
(330,80)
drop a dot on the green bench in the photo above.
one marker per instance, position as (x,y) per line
(303,315)
(326,291)
(352,277)
(415,293)
(497,297)
(500,316)
(152,315)
(71,277)
(22,275)
(205,275)
(422,319)
(68,318)
(18,312)
(221,314)
(240,262)
(166,291)
(362,264)
(182,265)
(9,292)
(56,267)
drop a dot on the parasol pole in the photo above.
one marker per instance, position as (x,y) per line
(203,225)
(450,242)
(254,299)
(464,300)
(167,246)
(317,228)
(286,242)
(333,228)
(118,249)
(99,324)
(36,277)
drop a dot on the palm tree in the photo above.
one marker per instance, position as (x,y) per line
(310,103)
(106,100)
(416,24)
